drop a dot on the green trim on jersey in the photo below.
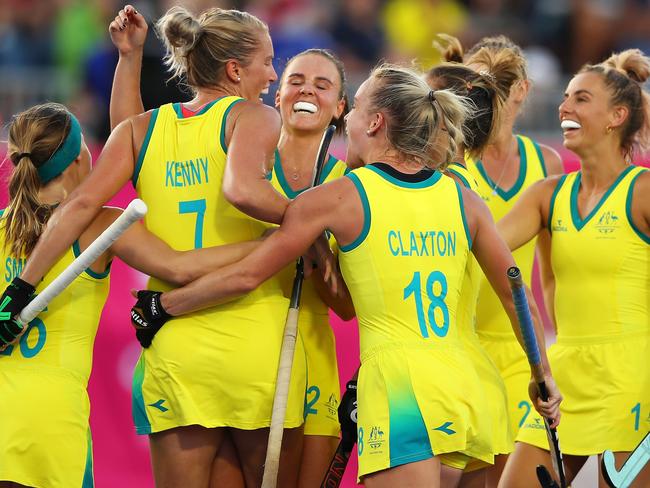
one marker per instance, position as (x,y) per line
(579,222)
(430,181)
(628,210)
(222,135)
(462,213)
(457,174)
(523,164)
(140,419)
(366,214)
(540,156)
(282,179)
(552,204)
(76,250)
(89,481)
(178,108)
(143,149)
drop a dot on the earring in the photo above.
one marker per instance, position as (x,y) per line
(368,132)
(609,129)
(238,78)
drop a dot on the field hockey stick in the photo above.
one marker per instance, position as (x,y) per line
(532,351)
(274,446)
(336,469)
(135,211)
(630,469)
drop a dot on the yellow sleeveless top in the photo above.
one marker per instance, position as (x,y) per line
(405,270)
(310,302)
(490,315)
(179,174)
(601,264)
(62,336)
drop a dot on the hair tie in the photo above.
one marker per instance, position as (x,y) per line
(432,96)
(21,156)
(486,74)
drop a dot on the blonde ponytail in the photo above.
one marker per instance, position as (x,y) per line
(34,136)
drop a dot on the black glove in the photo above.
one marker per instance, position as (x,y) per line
(17,295)
(148,316)
(348,413)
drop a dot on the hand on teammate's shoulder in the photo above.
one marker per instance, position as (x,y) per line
(148,316)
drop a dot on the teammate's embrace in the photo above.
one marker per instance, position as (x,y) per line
(204,182)
(404,265)
(44,407)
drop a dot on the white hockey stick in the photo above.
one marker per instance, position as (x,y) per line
(135,211)
(630,469)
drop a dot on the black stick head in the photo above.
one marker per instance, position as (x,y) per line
(544,477)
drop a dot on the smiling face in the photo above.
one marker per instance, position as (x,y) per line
(586,113)
(310,94)
(258,74)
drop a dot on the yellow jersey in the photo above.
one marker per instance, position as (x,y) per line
(62,336)
(490,315)
(601,264)
(179,173)
(310,303)
(405,270)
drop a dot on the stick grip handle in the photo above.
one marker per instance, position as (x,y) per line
(526,325)
(135,211)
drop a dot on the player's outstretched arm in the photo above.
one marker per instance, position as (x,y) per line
(307,217)
(147,253)
(128,32)
(529,215)
(495,259)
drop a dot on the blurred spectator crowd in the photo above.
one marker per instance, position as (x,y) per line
(60,49)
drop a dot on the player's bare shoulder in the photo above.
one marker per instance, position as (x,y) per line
(255,117)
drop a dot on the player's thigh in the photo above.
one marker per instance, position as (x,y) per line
(641,481)
(521,467)
(494,472)
(183,456)
(251,449)
(473,479)
(421,474)
(317,453)
(449,476)
(226,467)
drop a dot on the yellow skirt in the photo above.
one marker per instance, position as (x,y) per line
(510,359)
(323,390)
(606,390)
(217,373)
(44,432)
(416,401)
(496,398)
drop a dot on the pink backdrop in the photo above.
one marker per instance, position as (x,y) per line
(121,457)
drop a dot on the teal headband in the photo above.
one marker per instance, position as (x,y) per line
(63,157)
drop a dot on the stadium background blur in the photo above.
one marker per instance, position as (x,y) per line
(60,50)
